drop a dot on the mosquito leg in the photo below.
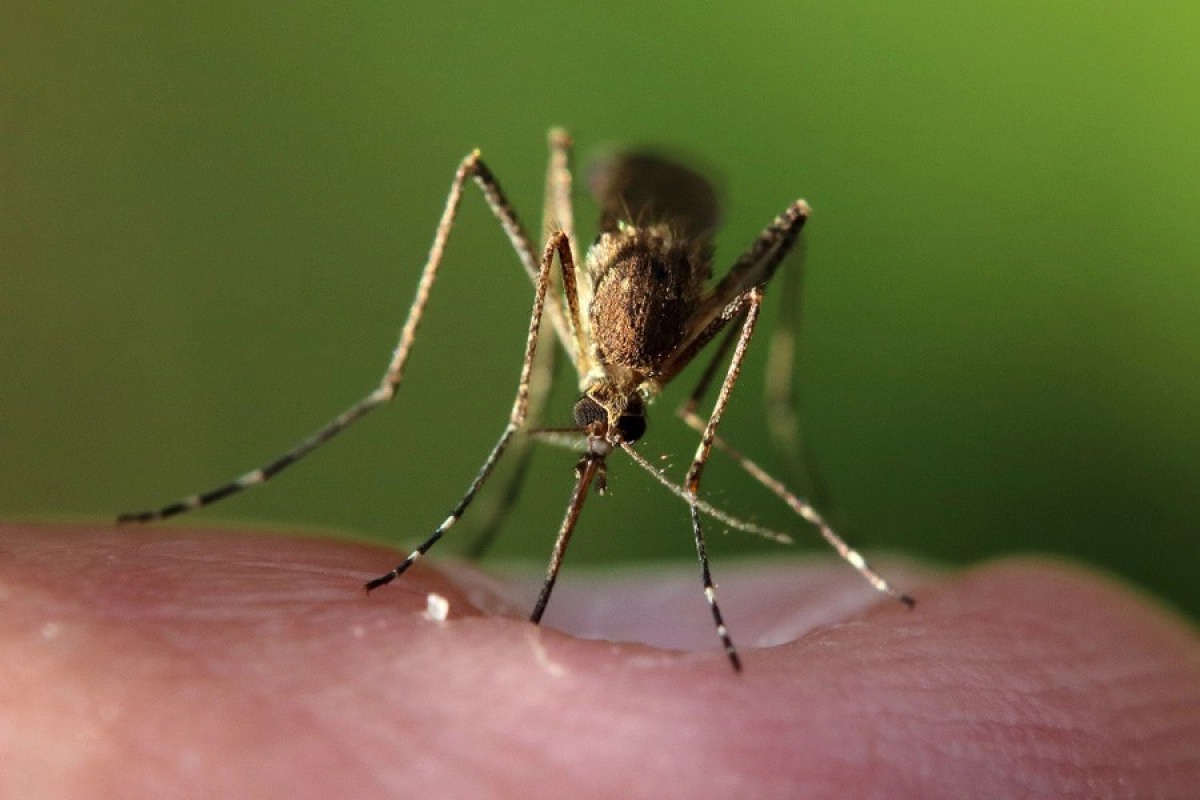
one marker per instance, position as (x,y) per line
(710,594)
(585,470)
(696,471)
(558,212)
(781,361)
(710,372)
(783,420)
(558,243)
(495,515)
(780,397)
(805,509)
(754,269)
(471,167)
(557,215)
(521,452)
(758,264)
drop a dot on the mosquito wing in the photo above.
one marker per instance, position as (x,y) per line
(642,189)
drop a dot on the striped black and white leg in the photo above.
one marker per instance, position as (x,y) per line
(773,244)
(471,168)
(703,450)
(558,244)
(557,215)
(805,510)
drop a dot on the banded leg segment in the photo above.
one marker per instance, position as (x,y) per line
(558,244)
(779,393)
(737,297)
(805,510)
(471,168)
(696,471)
(798,504)
(557,215)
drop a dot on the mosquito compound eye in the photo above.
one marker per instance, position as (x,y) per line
(631,427)
(588,411)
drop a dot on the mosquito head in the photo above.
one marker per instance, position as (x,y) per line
(610,417)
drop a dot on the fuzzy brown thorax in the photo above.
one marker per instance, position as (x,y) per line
(647,285)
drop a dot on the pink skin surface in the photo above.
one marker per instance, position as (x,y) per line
(142,662)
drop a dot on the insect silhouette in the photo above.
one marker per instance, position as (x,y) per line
(630,318)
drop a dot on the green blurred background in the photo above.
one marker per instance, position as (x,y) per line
(212,218)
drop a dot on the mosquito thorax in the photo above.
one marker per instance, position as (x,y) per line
(647,283)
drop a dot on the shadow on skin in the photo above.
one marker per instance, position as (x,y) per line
(138,662)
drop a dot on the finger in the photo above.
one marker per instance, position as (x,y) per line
(135,660)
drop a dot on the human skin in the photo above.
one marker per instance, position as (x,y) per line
(175,662)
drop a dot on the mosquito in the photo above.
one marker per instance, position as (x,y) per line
(630,318)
